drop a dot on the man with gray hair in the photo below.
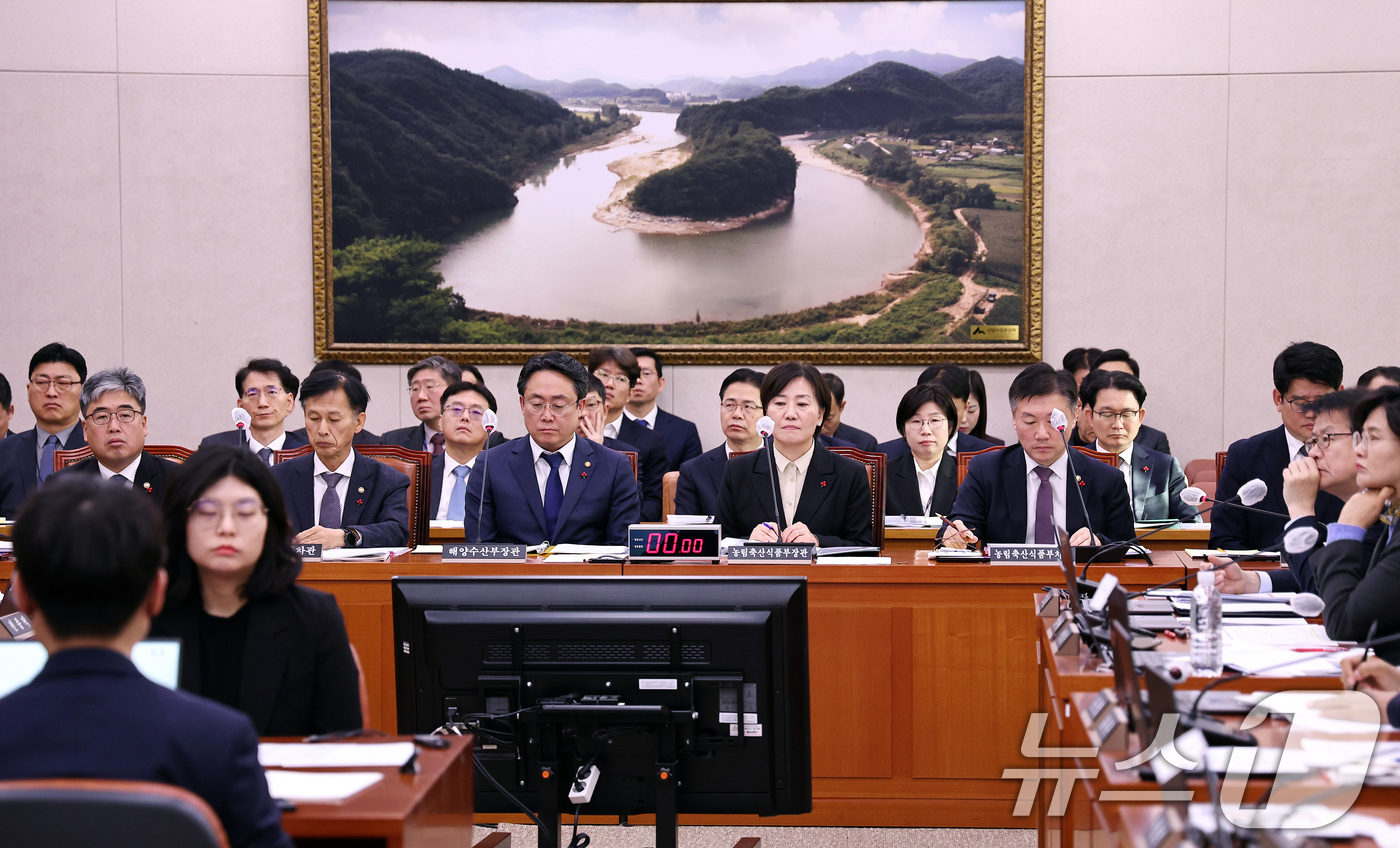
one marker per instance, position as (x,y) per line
(426,380)
(113,403)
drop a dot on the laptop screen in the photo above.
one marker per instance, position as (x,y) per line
(20,662)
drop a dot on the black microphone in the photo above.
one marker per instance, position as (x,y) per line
(488,423)
(1125,546)
(1060,422)
(765,428)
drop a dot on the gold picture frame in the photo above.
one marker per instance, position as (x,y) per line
(1024,350)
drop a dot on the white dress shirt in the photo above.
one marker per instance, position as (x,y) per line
(650,417)
(542,467)
(1125,465)
(792,473)
(927,480)
(1057,481)
(342,486)
(449,481)
(610,430)
(1294,445)
(952,447)
(276,444)
(129,472)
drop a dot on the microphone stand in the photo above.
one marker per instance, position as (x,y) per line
(1247,508)
(489,427)
(772,468)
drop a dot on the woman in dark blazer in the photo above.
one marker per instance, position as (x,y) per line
(251,638)
(927,417)
(830,507)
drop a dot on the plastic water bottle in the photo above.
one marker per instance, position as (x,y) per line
(1207,644)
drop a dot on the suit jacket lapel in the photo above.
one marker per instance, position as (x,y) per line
(304,510)
(76,439)
(435,493)
(1142,475)
(265,655)
(29,459)
(148,474)
(1074,511)
(821,474)
(1015,487)
(361,488)
(903,475)
(945,485)
(522,465)
(581,472)
(1381,546)
(764,481)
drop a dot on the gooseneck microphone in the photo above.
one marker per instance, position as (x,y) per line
(1060,422)
(488,423)
(765,429)
(241,422)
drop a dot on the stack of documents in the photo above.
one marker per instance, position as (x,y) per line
(584,553)
(327,786)
(362,554)
(907,522)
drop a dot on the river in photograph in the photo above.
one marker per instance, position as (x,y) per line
(549,258)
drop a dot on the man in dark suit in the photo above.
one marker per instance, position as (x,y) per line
(267,391)
(464,406)
(340,366)
(1022,493)
(1330,467)
(1303,372)
(56,375)
(954,378)
(1118,359)
(740,407)
(681,439)
(336,498)
(426,381)
(619,371)
(7,408)
(114,424)
(552,485)
(834,427)
(88,574)
(1155,480)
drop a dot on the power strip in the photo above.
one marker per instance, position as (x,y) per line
(584,795)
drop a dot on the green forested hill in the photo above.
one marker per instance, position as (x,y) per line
(417,146)
(736,170)
(884,93)
(997,84)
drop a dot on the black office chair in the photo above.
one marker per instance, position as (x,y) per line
(109,813)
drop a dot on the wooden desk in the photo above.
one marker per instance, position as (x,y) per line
(431,808)
(923,677)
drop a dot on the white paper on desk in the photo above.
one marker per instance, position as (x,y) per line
(1266,760)
(333,754)
(6,547)
(1285,633)
(911,522)
(1255,658)
(362,554)
(690,519)
(325,787)
(1202,553)
(580,553)
(428,549)
(853,560)
(434,524)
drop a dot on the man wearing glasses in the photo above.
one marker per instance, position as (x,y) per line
(1329,467)
(56,373)
(267,391)
(619,371)
(1114,400)
(739,411)
(426,381)
(552,485)
(114,423)
(463,405)
(1303,372)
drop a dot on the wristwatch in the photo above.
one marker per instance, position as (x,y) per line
(352,537)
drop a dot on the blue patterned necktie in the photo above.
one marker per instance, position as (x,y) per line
(457,504)
(643,422)
(330,502)
(46,460)
(553,492)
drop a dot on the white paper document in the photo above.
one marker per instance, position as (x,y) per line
(333,754)
(583,553)
(1286,634)
(908,522)
(325,787)
(362,554)
(690,519)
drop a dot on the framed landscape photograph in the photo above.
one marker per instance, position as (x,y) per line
(739,183)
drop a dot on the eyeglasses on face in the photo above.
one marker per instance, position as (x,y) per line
(1324,440)
(63,384)
(616,379)
(125,415)
(558,407)
(749,407)
(1123,417)
(1300,404)
(1363,440)
(457,411)
(933,423)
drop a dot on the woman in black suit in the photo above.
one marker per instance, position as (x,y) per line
(813,496)
(925,480)
(251,638)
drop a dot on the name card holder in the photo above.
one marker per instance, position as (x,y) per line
(308,551)
(1008,553)
(1110,732)
(1102,701)
(1064,637)
(1167,830)
(801,554)
(18,626)
(478,551)
(1049,604)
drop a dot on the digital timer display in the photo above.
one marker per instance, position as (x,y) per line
(673,542)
